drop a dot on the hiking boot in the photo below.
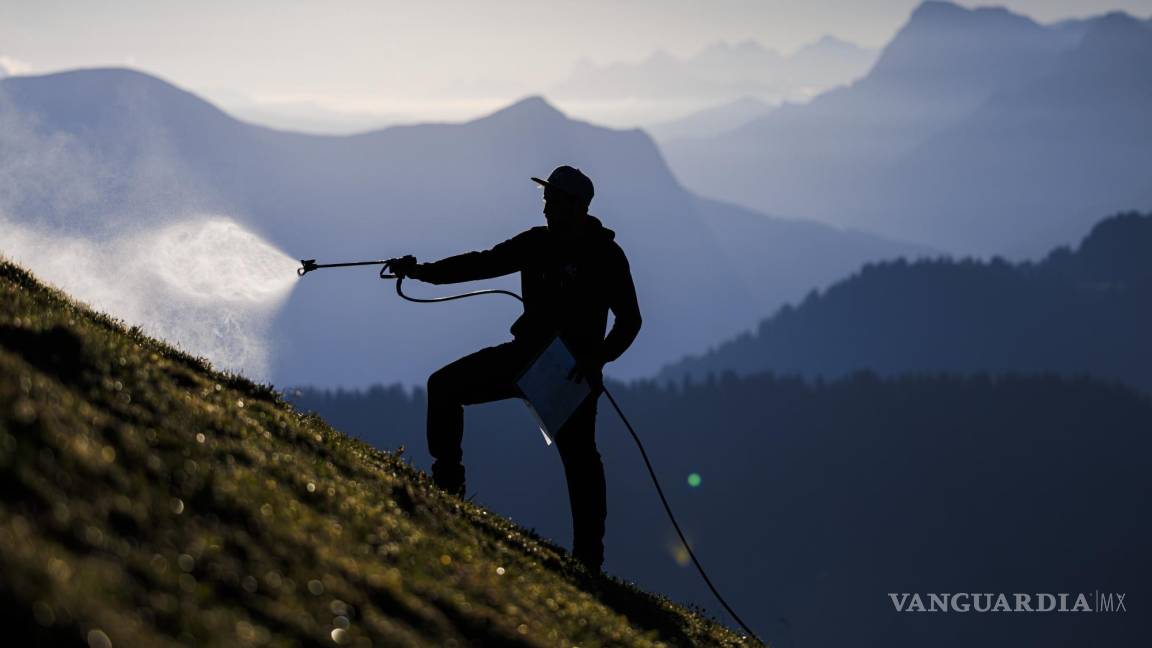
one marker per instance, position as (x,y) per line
(449,477)
(587,576)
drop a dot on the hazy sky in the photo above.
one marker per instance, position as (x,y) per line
(395,57)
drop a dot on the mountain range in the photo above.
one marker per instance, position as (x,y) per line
(663,85)
(102,151)
(1082,310)
(977,131)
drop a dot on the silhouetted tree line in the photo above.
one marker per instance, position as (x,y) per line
(816,498)
(1084,310)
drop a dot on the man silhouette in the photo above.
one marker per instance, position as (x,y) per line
(572,273)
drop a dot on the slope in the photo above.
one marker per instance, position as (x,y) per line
(149,500)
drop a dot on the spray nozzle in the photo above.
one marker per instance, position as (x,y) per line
(308,265)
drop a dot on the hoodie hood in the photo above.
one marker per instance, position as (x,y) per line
(597,231)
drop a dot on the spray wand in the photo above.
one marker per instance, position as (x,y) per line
(310,265)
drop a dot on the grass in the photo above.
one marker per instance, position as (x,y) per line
(148,500)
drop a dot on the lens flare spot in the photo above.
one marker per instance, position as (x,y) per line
(694,480)
(97,638)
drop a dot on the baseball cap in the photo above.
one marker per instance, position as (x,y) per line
(571,181)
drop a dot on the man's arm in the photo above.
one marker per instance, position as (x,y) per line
(625,311)
(504,258)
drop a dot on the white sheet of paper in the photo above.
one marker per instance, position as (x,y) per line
(548,392)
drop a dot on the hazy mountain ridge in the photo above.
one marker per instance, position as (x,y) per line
(1085,310)
(148,152)
(721,71)
(1072,142)
(897,152)
(710,121)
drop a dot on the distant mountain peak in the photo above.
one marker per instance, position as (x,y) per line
(829,40)
(106,91)
(102,85)
(940,13)
(941,37)
(531,109)
(1117,40)
(1119,22)
(936,9)
(106,77)
(830,45)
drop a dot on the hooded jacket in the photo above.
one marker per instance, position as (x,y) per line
(569,285)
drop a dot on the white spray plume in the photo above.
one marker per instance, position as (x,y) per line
(206,284)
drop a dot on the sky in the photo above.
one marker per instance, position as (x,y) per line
(389,60)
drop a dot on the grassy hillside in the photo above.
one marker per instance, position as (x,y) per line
(146,499)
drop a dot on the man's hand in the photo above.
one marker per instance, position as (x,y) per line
(404,266)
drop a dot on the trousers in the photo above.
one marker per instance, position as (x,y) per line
(488,375)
